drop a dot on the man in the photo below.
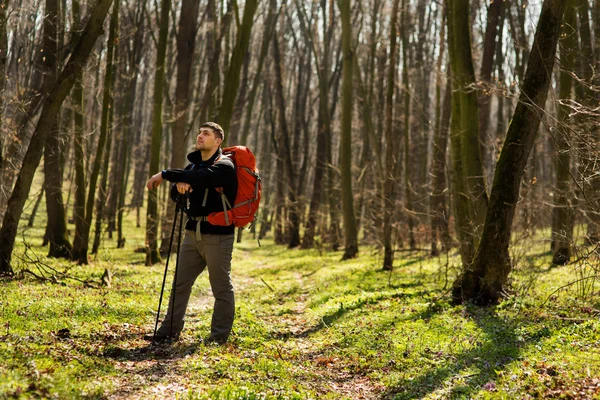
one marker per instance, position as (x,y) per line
(204,244)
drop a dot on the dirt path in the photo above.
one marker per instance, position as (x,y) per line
(155,372)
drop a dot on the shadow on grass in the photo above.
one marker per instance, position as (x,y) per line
(332,317)
(161,351)
(501,347)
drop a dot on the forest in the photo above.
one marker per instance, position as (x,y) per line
(432,166)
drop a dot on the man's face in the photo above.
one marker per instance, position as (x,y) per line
(207,139)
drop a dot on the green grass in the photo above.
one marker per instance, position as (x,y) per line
(307,326)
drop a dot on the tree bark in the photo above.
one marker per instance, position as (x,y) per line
(562,213)
(52,105)
(494,13)
(470,197)
(232,78)
(285,151)
(78,151)
(103,192)
(438,208)
(56,232)
(350,230)
(438,202)
(589,61)
(152,254)
(323,123)
(80,253)
(482,281)
(391,152)
(186,44)
(134,59)
(269,27)
(406,130)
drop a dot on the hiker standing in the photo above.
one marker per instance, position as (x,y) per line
(211,181)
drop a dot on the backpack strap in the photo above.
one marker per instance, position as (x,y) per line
(205,197)
(226,204)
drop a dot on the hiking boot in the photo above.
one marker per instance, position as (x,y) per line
(161,338)
(215,340)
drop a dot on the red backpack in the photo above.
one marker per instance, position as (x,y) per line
(248,194)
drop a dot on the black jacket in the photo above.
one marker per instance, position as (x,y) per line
(205,177)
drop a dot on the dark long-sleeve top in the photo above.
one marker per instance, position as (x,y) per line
(206,177)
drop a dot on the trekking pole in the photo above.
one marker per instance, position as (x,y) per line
(173,291)
(162,289)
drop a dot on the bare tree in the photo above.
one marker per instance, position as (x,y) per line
(51,105)
(482,281)
(152,254)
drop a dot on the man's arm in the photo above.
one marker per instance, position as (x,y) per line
(181,187)
(212,176)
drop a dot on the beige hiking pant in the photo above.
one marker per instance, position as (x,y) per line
(214,252)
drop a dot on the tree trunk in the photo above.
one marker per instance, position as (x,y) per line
(36,206)
(470,197)
(152,254)
(494,13)
(438,208)
(3,60)
(482,281)
(562,213)
(350,230)
(132,131)
(232,78)
(391,152)
(589,60)
(56,232)
(286,151)
(210,100)
(103,192)
(269,27)
(408,193)
(438,203)
(594,225)
(186,44)
(78,152)
(51,107)
(323,125)
(80,253)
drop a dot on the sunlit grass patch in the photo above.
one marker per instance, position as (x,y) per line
(308,326)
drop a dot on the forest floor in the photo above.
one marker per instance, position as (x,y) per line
(308,326)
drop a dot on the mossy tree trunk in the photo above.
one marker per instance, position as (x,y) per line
(562,214)
(468,183)
(350,230)
(482,282)
(152,254)
(50,109)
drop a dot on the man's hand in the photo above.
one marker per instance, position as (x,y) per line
(183,187)
(154,181)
